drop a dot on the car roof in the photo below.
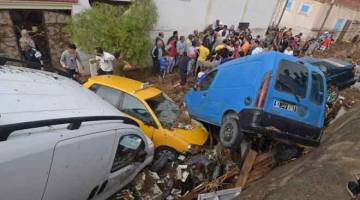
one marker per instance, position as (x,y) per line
(333,61)
(265,56)
(32,95)
(127,85)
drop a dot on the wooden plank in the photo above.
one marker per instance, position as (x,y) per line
(246,168)
(211,186)
(264,157)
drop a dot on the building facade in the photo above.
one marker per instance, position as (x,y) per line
(47,20)
(310,17)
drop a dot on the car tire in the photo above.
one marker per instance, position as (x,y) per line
(162,156)
(230,134)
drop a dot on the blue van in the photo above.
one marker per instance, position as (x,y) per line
(270,94)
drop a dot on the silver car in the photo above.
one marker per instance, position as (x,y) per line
(60,141)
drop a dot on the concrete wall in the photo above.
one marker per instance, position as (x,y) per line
(8,43)
(188,15)
(310,23)
(354,28)
(56,23)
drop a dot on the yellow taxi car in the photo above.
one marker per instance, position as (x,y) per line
(153,110)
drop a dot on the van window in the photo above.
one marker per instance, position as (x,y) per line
(108,94)
(292,78)
(205,84)
(136,108)
(127,149)
(317,88)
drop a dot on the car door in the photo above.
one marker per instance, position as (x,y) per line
(79,166)
(125,163)
(317,99)
(288,96)
(127,104)
(137,111)
(198,99)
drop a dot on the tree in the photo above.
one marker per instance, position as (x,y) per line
(125,28)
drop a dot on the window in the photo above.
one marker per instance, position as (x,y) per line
(292,78)
(206,82)
(317,88)
(108,94)
(127,150)
(137,109)
(339,24)
(304,8)
(165,109)
(289,5)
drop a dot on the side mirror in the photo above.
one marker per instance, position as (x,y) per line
(140,156)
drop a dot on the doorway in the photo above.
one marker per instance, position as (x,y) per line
(33,21)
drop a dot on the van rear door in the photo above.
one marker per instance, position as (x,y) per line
(298,107)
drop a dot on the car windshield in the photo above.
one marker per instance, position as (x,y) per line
(165,109)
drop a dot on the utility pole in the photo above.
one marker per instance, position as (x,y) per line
(326,16)
(282,13)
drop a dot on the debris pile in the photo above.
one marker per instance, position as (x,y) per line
(211,172)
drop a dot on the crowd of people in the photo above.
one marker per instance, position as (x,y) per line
(218,43)
(192,55)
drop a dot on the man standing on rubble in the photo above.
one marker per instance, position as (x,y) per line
(104,61)
(68,61)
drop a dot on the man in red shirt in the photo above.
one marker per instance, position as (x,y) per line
(325,43)
(171,52)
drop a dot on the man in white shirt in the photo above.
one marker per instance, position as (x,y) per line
(289,51)
(257,48)
(104,61)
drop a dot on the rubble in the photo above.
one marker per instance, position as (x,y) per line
(146,187)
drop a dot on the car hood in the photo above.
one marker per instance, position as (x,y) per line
(196,135)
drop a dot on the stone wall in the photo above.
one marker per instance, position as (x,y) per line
(8,43)
(55,23)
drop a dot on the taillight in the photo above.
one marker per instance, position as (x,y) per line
(261,95)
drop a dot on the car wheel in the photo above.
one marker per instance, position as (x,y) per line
(162,156)
(230,134)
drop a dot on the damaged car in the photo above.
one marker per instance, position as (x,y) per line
(270,94)
(157,115)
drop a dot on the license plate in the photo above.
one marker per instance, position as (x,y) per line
(285,106)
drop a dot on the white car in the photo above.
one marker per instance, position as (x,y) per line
(60,141)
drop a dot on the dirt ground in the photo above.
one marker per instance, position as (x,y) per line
(321,174)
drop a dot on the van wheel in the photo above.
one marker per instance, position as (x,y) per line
(230,134)
(162,156)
